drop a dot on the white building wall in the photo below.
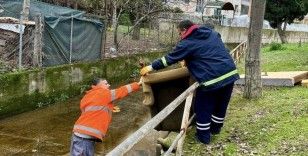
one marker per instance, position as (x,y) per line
(191,7)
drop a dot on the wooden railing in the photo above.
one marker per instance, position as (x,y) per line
(239,51)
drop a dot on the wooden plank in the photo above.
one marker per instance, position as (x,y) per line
(178,137)
(278,78)
(166,75)
(184,125)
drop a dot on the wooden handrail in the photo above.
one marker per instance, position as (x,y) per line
(128,143)
(238,51)
(178,137)
(237,47)
(185,123)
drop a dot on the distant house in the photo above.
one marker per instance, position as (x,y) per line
(211,7)
(305,20)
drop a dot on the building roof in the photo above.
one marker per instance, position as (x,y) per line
(12,20)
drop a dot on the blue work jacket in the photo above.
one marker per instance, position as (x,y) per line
(205,56)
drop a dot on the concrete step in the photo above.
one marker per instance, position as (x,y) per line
(289,78)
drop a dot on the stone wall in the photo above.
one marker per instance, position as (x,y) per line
(28,90)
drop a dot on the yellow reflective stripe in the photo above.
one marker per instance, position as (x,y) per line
(163,59)
(220,78)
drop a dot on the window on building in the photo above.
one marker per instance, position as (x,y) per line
(235,8)
(217,12)
(244,10)
(199,6)
(186,1)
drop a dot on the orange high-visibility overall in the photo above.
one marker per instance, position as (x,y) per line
(96,108)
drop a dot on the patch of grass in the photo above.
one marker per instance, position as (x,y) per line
(123,29)
(291,58)
(275,124)
(276,46)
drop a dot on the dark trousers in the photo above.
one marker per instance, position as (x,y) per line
(81,146)
(210,108)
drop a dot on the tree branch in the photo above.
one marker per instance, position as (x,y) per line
(138,22)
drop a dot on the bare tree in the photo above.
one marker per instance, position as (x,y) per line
(25,9)
(141,10)
(117,9)
(253,85)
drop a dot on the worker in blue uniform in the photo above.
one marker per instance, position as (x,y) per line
(210,63)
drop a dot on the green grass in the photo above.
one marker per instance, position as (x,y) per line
(290,58)
(275,124)
(124,29)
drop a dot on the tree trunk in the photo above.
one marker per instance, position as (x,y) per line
(281,32)
(253,85)
(67,3)
(76,5)
(114,15)
(115,26)
(115,37)
(136,31)
(25,9)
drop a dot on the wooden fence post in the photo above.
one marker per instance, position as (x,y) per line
(38,35)
(184,125)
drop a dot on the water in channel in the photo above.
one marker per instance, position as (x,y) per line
(47,131)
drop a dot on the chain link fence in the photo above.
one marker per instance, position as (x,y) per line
(74,39)
(151,36)
(157,33)
(160,34)
(16,44)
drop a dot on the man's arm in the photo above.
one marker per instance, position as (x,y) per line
(178,54)
(124,91)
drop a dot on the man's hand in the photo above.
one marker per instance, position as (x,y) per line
(140,81)
(116,109)
(146,70)
(183,63)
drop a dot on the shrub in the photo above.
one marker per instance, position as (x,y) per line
(276,46)
(177,10)
(125,20)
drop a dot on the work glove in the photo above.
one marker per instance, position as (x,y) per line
(140,81)
(116,109)
(146,70)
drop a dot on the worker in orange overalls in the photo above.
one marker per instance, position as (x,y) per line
(96,110)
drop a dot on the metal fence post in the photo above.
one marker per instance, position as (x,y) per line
(20,42)
(104,39)
(71,40)
(37,51)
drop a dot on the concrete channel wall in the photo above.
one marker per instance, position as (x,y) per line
(29,90)
(240,34)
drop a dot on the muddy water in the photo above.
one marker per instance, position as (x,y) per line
(47,131)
